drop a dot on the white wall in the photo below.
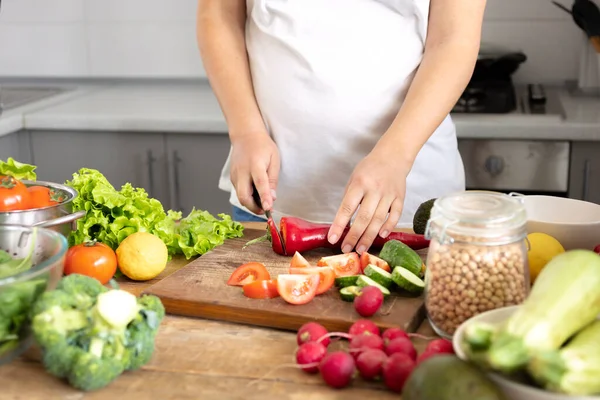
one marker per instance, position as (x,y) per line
(156,38)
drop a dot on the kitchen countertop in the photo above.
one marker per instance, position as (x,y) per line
(191,107)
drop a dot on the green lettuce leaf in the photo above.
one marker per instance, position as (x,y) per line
(17,170)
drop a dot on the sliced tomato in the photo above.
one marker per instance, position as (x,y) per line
(366,259)
(298,261)
(342,264)
(248,273)
(297,288)
(326,276)
(266,289)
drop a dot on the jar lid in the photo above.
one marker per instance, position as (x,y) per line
(480,213)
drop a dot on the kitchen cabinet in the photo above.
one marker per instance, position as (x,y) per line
(16,145)
(195,163)
(138,158)
(584,179)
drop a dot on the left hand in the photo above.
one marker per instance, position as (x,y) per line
(378,186)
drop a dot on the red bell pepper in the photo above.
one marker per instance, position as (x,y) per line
(597,249)
(300,235)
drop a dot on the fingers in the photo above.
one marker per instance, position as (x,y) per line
(363,218)
(393,218)
(377,220)
(273,172)
(261,181)
(243,188)
(350,203)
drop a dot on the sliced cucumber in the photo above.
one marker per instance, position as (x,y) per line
(348,293)
(364,280)
(379,275)
(407,280)
(345,281)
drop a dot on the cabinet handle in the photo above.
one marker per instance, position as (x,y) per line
(586,180)
(176,161)
(151,160)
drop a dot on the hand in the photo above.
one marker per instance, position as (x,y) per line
(378,186)
(255,158)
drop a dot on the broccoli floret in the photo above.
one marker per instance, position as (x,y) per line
(90,334)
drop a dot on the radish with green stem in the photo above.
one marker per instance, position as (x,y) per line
(309,355)
(395,371)
(369,363)
(401,345)
(337,369)
(363,326)
(312,332)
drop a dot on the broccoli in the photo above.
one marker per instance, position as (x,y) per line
(90,334)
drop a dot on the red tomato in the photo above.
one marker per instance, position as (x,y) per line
(261,289)
(297,289)
(92,259)
(597,249)
(298,261)
(248,273)
(326,276)
(41,196)
(342,264)
(366,259)
(13,194)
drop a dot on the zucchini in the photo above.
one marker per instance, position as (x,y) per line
(563,300)
(574,369)
(408,281)
(348,293)
(344,281)
(364,281)
(397,254)
(379,275)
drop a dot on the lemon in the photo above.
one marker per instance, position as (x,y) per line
(142,256)
(542,248)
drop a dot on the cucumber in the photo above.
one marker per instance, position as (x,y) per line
(379,275)
(407,280)
(348,293)
(345,281)
(364,281)
(397,254)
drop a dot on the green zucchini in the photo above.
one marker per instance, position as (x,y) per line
(344,281)
(397,254)
(348,293)
(364,281)
(379,275)
(408,281)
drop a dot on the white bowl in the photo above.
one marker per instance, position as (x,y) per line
(512,389)
(574,223)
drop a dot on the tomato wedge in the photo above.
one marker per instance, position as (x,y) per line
(266,289)
(297,289)
(248,273)
(342,264)
(326,276)
(298,261)
(366,259)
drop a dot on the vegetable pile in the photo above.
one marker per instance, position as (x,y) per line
(90,334)
(553,339)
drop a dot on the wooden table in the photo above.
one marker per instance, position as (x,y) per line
(200,360)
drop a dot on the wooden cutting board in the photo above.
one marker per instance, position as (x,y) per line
(199,290)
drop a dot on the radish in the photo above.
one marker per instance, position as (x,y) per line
(363,326)
(365,341)
(368,301)
(311,332)
(393,333)
(337,369)
(401,345)
(440,346)
(395,371)
(309,355)
(370,362)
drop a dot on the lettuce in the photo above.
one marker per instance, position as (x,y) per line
(113,214)
(17,170)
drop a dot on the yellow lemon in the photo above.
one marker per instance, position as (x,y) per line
(542,248)
(142,256)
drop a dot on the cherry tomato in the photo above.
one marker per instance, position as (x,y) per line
(298,261)
(326,276)
(13,194)
(266,289)
(42,196)
(93,259)
(297,289)
(343,264)
(248,273)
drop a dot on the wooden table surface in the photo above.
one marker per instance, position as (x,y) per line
(198,359)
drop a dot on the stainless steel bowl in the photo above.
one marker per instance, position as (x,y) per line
(59,218)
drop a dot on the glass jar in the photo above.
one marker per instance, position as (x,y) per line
(477,259)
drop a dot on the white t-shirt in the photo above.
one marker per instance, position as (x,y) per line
(329,77)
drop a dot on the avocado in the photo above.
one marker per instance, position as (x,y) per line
(421,216)
(447,377)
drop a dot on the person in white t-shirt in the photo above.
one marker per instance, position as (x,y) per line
(338,110)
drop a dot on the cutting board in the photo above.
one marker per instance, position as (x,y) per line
(199,290)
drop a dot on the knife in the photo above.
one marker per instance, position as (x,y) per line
(258,202)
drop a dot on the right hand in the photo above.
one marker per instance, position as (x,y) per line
(255,158)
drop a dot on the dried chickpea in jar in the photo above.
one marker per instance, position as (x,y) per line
(477,259)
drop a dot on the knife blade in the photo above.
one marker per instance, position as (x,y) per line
(258,201)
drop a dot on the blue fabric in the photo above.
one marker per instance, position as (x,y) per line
(243,216)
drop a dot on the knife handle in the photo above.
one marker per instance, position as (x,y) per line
(256,196)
